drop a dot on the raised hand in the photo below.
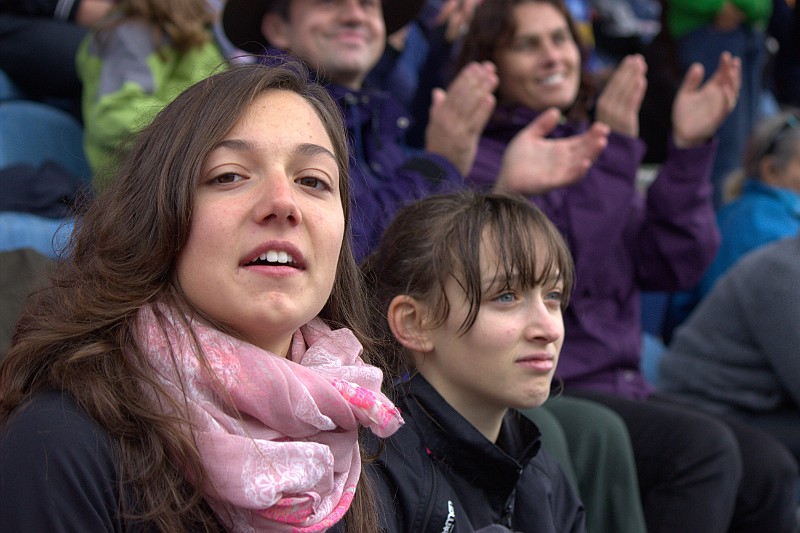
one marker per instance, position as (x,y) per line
(458,115)
(619,103)
(698,111)
(457,15)
(533,164)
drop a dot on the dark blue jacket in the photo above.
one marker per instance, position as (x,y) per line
(385,173)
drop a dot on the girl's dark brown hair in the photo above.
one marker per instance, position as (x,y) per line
(78,335)
(440,237)
(493,28)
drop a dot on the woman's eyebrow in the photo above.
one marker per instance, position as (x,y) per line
(244,145)
(311,149)
(237,145)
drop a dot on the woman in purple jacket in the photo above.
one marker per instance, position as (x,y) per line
(692,468)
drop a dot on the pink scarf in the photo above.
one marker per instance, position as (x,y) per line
(288,459)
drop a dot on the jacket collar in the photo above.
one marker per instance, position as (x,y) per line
(787,197)
(450,439)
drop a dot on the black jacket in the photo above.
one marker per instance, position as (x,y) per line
(439,474)
(58,9)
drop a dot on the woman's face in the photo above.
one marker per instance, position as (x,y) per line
(267,224)
(541,67)
(508,357)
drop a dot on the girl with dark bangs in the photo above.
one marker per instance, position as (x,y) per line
(469,290)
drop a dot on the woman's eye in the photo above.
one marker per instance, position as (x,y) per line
(555,296)
(562,37)
(228,177)
(313,182)
(505,298)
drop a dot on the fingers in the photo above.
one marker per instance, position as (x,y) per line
(475,76)
(459,114)
(588,146)
(731,74)
(457,15)
(619,103)
(533,164)
(596,140)
(470,95)
(629,77)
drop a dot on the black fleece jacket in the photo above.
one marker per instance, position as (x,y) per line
(440,474)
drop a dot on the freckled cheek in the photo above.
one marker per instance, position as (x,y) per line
(331,237)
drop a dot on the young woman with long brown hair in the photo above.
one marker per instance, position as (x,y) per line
(196,363)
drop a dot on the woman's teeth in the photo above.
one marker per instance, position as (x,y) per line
(273,256)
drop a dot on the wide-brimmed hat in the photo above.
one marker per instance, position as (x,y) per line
(241,20)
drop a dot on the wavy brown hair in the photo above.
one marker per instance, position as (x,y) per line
(439,237)
(183,23)
(493,28)
(78,334)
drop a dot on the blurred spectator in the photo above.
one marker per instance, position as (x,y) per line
(764,205)
(418,58)
(784,26)
(737,352)
(134,62)
(623,27)
(38,42)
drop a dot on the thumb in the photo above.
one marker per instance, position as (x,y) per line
(438,96)
(544,123)
(693,78)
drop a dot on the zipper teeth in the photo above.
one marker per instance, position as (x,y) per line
(429,510)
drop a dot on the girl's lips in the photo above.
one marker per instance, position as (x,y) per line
(542,364)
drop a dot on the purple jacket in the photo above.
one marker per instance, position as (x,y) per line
(385,173)
(622,243)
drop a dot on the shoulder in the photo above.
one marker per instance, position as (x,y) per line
(127,38)
(47,420)
(544,480)
(412,493)
(781,258)
(57,468)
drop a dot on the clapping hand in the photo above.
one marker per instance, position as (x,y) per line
(698,111)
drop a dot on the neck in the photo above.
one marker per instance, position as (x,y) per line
(484,416)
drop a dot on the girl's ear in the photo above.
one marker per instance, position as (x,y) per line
(275,29)
(407,319)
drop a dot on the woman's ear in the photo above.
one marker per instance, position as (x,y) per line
(767,171)
(407,318)
(275,29)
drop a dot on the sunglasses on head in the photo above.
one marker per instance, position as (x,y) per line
(789,123)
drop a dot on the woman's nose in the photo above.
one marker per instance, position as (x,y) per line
(278,200)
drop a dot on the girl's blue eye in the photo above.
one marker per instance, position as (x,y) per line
(555,296)
(505,298)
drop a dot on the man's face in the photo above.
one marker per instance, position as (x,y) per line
(341,39)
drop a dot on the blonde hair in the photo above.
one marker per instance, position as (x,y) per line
(776,137)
